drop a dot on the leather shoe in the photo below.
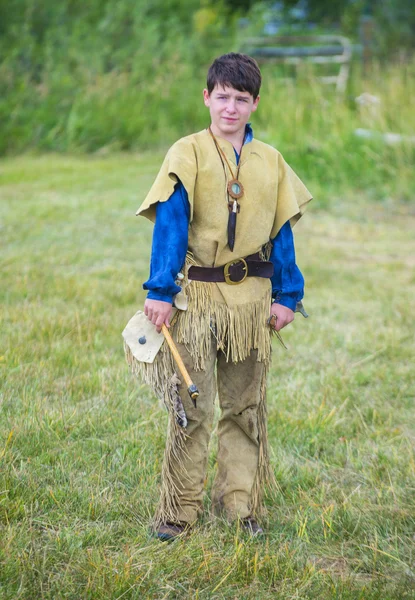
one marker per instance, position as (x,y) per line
(249,525)
(167,532)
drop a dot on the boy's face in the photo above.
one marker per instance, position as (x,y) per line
(230,110)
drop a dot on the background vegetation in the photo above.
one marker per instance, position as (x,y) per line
(127,75)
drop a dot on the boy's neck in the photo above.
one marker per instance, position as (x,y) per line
(236,139)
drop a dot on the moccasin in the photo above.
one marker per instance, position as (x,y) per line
(167,532)
(250,525)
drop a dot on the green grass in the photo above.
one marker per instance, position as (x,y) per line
(81,442)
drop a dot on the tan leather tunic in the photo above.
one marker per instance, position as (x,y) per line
(273,194)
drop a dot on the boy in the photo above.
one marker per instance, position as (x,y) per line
(222,204)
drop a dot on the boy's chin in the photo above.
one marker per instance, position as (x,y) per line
(230,127)
(225,122)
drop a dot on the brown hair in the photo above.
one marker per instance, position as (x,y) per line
(238,71)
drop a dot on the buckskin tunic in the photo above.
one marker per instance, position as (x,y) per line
(223,324)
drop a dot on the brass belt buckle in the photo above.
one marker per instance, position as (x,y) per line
(226,273)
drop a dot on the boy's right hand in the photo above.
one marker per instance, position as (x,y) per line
(158,312)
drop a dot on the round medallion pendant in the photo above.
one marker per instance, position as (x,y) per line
(235,189)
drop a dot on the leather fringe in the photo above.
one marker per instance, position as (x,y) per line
(175,449)
(235,328)
(164,382)
(264,477)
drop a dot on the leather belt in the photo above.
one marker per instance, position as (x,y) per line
(234,272)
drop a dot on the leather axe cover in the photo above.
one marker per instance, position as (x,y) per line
(142,338)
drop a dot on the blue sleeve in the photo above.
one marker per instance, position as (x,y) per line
(170,240)
(287,281)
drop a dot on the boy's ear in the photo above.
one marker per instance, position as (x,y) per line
(255,104)
(206,97)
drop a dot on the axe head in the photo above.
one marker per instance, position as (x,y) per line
(142,338)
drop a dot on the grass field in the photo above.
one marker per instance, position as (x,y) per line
(81,441)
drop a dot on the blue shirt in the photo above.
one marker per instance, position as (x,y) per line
(170,241)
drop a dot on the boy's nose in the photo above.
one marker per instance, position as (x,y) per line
(231,106)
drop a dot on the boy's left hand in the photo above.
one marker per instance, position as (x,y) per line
(284,315)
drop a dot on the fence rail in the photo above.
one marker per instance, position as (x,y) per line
(295,50)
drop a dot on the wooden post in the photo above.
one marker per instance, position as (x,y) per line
(367,28)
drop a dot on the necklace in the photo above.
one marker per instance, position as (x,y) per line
(235,191)
(235,188)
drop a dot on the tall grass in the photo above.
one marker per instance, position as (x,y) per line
(308,122)
(316,130)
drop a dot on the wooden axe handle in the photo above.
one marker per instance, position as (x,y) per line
(191,388)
